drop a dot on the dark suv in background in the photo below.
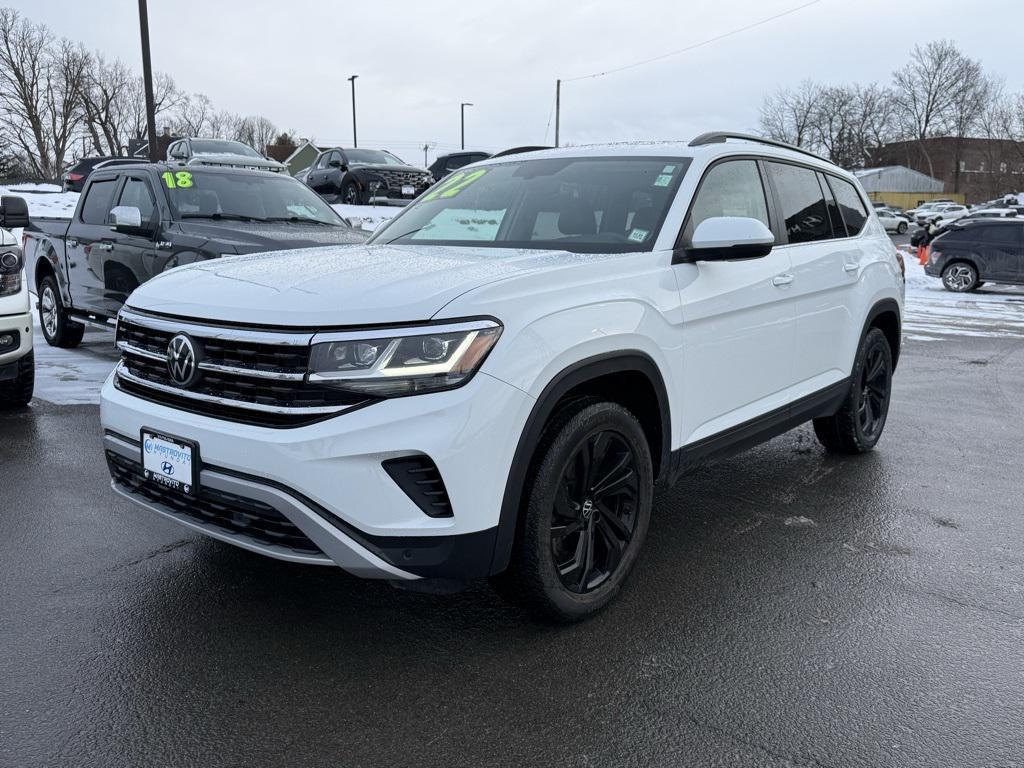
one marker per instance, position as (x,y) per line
(75,176)
(363,176)
(451,162)
(971,253)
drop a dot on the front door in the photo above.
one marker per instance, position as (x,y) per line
(132,261)
(737,337)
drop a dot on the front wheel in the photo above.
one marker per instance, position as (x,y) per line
(16,392)
(350,194)
(58,329)
(960,277)
(901,228)
(585,513)
(858,424)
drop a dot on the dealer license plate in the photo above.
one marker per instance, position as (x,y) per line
(408,190)
(170,461)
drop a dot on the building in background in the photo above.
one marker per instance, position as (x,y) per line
(900,186)
(977,169)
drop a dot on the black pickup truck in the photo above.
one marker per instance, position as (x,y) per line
(135,221)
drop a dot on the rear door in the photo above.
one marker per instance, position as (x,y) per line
(737,337)
(89,240)
(1000,250)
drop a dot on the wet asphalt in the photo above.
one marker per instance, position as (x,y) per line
(790,609)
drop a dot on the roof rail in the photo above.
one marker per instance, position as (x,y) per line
(719,137)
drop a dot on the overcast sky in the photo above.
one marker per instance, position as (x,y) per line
(417,61)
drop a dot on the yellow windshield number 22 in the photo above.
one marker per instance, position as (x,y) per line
(181,179)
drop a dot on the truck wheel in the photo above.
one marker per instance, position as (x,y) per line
(16,392)
(858,424)
(58,329)
(585,513)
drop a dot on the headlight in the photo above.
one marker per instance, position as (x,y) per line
(10,273)
(402,361)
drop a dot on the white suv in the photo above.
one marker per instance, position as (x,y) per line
(17,361)
(492,386)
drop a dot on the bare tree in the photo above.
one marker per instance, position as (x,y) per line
(789,115)
(928,89)
(192,116)
(40,87)
(256,131)
(224,125)
(105,97)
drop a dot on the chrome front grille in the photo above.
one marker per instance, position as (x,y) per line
(252,376)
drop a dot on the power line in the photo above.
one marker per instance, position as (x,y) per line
(694,46)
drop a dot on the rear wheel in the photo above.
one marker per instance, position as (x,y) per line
(58,329)
(585,513)
(960,277)
(901,228)
(16,392)
(858,424)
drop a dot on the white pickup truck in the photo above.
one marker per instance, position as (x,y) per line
(17,364)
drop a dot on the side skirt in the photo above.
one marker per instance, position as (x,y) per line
(824,402)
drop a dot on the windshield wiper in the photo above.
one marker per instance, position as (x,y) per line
(222,217)
(299,220)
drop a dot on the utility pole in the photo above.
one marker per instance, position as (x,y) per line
(425,148)
(558,108)
(462,110)
(147,77)
(355,141)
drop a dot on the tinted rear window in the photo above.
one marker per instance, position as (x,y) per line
(803,205)
(98,201)
(850,205)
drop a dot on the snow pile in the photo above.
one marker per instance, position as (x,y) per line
(44,199)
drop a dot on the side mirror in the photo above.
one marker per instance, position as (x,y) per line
(334,163)
(13,212)
(726,238)
(128,219)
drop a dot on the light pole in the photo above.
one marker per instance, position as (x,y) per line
(147,77)
(462,111)
(355,141)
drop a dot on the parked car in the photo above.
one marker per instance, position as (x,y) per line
(221,152)
(492,385)
(365,176)
(973,252)
(993,213)
(924,208)
(136,221)
(942,213)
(891,221)
(17,360)
(446,164)
(75,176)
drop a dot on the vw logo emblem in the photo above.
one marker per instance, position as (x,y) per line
(181,360)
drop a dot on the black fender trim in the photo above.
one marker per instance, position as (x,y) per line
(573,376)
(881,307)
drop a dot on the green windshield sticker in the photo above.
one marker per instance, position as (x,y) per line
(664,180)
(669,169)
(179,180)
(638,235)
(454,184)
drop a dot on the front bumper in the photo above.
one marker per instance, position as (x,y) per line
(22,324)
(327,479)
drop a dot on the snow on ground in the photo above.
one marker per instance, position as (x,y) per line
(44,199)
(368,217)
(933,312)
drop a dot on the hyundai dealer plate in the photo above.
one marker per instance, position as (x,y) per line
(170,461)
(408,190)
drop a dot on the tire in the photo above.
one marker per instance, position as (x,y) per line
(17,392)
(566,517)
(58,329)
(350,194)
(901,228)
(858,424)
(959,277)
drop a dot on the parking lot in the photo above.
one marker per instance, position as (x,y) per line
(790,608)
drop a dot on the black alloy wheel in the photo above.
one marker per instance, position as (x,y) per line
(595,511)
(875,388)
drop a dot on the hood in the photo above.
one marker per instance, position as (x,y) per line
(236,161)
(257,237)
(337,286)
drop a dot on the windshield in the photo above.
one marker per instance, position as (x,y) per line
(210,194)
(581,204)
(372,157)
(222,147)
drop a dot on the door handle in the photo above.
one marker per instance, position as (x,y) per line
(851,267)
(104,246)
(72,243)
(780,280)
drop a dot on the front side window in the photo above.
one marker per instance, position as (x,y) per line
(98,201)
(580,204)
(137,195)
(855,215)
(804,212)
(731,188)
